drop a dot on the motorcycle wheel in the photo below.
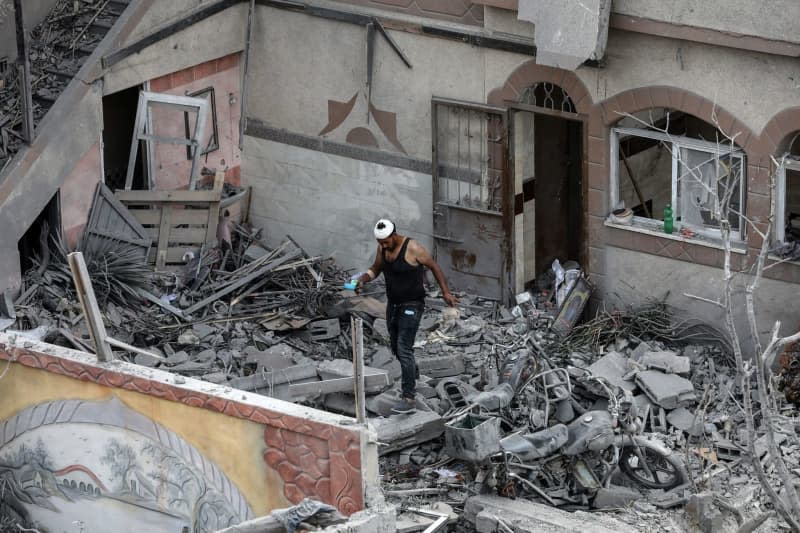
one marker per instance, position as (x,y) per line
(665,472)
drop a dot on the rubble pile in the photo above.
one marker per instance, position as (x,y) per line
(632,411)
(58,48)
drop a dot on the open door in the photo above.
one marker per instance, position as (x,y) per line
(547,158)
(472,197)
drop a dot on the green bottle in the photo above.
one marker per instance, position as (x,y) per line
(668,228)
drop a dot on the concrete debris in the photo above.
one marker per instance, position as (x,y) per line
(505,408)
(667,390)
(613,367)
(668,362)
(493,513)
(402,431)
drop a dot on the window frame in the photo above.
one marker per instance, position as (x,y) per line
(787,163)
(676,143)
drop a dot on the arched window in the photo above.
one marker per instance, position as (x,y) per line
(73,484)
(787,202)
(548,95)
(82,486)
(662,157)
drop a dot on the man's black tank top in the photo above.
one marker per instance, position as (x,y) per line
(404,282)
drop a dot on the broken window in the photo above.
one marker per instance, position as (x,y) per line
(652,168)
(209,139)
(787,216)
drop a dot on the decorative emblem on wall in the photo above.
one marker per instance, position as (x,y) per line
(361,132)
(101,463)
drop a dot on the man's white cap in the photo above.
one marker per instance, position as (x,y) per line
(384,228)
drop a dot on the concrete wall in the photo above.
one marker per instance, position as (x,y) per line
(215,37)
(296,86)
(161,454)
(637,276)
(776,19)
(34,12)
(752,86)
(77,194)
(171,162)
(329,203)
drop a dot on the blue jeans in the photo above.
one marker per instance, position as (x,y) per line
(403,322)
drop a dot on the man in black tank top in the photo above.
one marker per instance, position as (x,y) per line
(402,262)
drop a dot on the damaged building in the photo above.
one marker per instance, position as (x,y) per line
(241,151)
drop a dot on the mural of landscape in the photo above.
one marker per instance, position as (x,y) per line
(99,466)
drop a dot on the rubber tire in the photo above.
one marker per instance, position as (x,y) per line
(675,464)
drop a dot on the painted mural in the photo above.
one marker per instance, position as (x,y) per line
(87,466)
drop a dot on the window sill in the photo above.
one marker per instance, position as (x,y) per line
(655,229)
(779,259)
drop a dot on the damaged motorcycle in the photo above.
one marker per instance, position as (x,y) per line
(565,453)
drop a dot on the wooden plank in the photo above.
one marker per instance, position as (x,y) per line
(242,282)
(163,235)
(180,235)
(213,209)
(189,217)
(121,211)
(83,286)
(156,300)
(357,332)
(174,255)
(128,348)
(147,217)
(160,197)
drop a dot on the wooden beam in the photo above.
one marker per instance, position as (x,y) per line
(357,331)
(83,286)
(128,348)
(175,197)
(243,281)
(24,68)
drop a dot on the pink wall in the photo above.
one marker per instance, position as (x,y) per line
(172,166)
(77,193)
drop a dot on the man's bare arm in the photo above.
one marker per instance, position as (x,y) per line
(424,257)
(373,271)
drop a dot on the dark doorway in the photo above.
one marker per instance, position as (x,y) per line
(558,190)
(548,168)
(47,224)
(119,120)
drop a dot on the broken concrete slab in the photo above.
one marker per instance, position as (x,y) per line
(685,420)
(441,366)
(668,362)
(613,366)
(313,389)
(380,328)
(667,390)
(615,497)
(524,516)
(703,512)
(268,359)
(267,380)
(375,379)
(382,404)
(401,431)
